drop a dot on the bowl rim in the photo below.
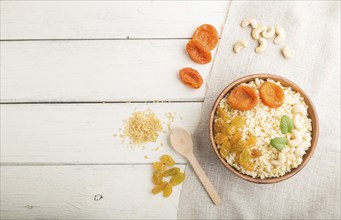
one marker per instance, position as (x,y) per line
(311,113)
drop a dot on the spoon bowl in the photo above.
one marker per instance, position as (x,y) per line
(182,142)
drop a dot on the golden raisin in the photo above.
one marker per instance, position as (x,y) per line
(255,153)
(171,172)
(157,177)
(177,179)
(167,191)
(190,77)
(245,159)
(159,188)
(224,149)
(236,137)
(222,114)
(168,160)
(237,122)
(220,138)
(251,141)
(218,125)
(159,166)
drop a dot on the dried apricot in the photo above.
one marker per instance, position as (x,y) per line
(177,179)
(220,138)
(255,153)
(224,149)
(171,172)
(271,94)
(243,98)
(168,160)
(191,77)
(222,114)
(159,166)
(198,52)
(236,137)
(208,35)
(157,177)
(237,123)
(167,191)
(159,188)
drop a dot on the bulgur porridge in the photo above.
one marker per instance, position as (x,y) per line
(262,128)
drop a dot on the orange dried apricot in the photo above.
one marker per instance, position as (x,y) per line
(220,138)
(243,98)
(190,77)
(159,188)
(198,52)
(272,95)
(208,35)
(168,160)
(167,191)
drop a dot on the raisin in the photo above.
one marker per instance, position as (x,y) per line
(222,114)
(250,142)
(198,52)
(224,149)
(237,122)
(159,188)
(177,179)
(167,191)
(236,137)
(190,77)
(255,153)
(218,125)
(245,159)
(168,160)
(171,172)
(208,35)
(220,138)
(159,166)
(157,177)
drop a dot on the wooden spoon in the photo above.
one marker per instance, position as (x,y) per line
(182,142)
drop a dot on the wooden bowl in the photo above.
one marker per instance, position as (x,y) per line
(311,113)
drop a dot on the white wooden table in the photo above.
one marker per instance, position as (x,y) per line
(71,72)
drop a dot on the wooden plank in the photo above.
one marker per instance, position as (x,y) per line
(107,19)
(68,192)
(138,70)
(83,133)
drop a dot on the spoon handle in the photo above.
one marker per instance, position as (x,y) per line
(204,179)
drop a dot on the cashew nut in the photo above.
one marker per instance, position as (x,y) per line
(281,158)
(249,21)
(287,52)
(298,121)
(269,33)
(297,140)
(300,150)
(263,44)
(280,32)
(257,30)
(299,109)
(239,45)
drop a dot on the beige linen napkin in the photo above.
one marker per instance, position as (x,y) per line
(313,32)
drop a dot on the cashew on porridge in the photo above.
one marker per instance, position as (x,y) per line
(262,128)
